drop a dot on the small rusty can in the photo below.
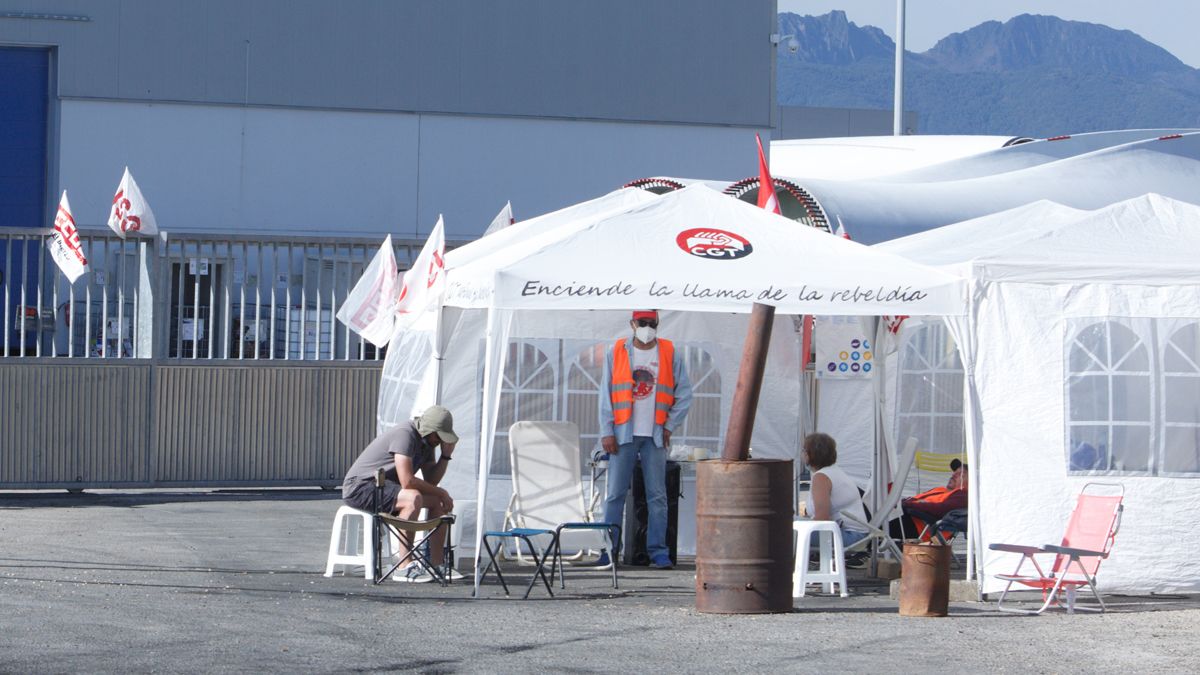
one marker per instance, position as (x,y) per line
(925,580)
(744,536)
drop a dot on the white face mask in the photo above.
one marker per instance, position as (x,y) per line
(644,334)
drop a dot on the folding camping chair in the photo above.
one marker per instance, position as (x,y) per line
(1089,538)
(406,531)
(877,527)
(548,493)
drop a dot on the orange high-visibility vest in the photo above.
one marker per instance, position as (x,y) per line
(622,383)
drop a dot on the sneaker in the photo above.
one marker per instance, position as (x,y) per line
(603,562)
(455,575)
(662,561)
(858,561)
(413,574)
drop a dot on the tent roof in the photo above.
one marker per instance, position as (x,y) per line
(1150,239)
(879,210)
(698,250)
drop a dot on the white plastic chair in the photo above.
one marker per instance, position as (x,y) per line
(352,545)
(832,568)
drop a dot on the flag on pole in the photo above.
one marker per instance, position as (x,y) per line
(841,229)
(64,243)
(766,186)
(806,342)
(369,309)
(425,281)
(130,212)
(502,220)
(892,323)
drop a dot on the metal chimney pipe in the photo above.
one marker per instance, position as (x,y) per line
(749,383)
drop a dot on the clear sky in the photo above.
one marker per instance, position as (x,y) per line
(1170,24)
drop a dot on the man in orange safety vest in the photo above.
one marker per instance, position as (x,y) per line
(645,395)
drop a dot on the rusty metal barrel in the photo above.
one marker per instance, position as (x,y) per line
(744,536)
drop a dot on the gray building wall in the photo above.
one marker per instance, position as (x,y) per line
(811,122)
(662,61)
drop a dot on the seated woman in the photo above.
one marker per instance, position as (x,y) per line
(832,490)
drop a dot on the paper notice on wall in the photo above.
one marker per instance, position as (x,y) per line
(842,347)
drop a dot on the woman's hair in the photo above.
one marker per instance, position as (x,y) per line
(821,449)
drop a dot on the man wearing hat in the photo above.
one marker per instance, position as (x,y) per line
(645,397)
(402,451)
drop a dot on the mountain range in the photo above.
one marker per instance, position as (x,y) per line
(1031,75)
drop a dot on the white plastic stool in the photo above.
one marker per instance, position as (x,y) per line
(340,540)
(833,566)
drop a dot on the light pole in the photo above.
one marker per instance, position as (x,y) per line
(898,106)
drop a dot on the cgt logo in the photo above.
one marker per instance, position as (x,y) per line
(714,244)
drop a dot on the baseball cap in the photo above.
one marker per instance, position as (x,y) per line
(437,419)
(645,314)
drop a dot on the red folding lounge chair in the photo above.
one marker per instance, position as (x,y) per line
(1088,540)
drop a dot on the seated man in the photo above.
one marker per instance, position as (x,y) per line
(936,503)
(403,451)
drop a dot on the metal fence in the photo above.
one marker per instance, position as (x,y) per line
(192,296)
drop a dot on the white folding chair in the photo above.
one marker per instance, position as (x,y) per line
(877,528)
(548,491)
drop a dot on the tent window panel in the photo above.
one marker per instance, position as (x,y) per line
(915,394)
(1130,450)
(702,427)
(947,434)
(1090,351)
(1089,448)
(1182,399)
(526,393)
(1088,395)
(1131,398)
(1181,450)
(948,392)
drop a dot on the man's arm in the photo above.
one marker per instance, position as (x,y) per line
(608,433)
(434,470)
(407,476)
(683,395)
(606,410)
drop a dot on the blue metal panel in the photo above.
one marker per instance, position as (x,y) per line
(24,79)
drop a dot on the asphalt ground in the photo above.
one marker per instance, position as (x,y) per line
(231,581)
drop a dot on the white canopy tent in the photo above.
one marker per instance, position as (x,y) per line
(1081,351)
(696,254)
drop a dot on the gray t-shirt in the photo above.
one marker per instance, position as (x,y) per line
(401,440)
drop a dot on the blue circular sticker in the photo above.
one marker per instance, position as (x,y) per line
(866,367)
(866,344)
(854,356)
(842,367)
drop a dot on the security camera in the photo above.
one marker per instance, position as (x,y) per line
(793,45)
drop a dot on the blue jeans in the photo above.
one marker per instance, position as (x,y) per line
(654,475)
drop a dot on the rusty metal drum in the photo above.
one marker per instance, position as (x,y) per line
(744,536)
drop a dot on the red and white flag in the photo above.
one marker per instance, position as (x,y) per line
(370,308)
(502,220)
(130,212)
(766,186)
(841,229)
(64,243)
(425,281)
(892,323)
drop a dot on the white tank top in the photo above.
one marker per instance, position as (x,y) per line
(843,497)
